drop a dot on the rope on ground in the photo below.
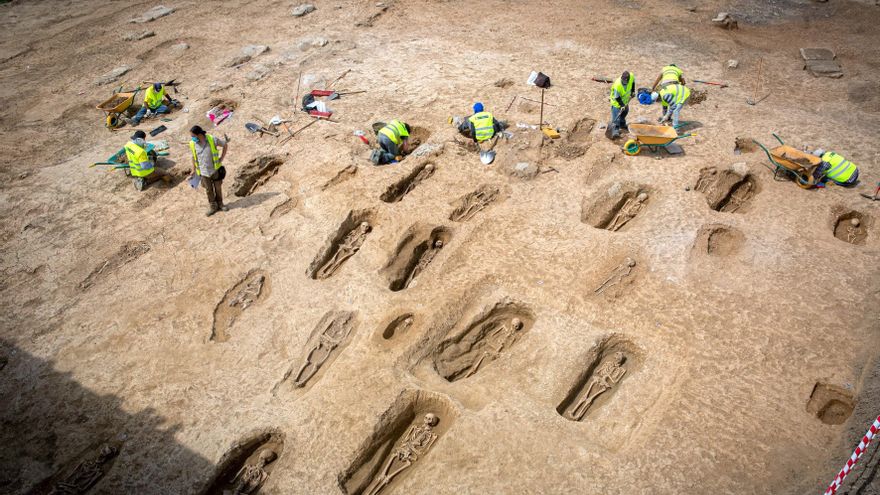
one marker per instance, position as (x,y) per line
(863,445)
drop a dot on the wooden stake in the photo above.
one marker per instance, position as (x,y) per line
(511,103)
(541,123)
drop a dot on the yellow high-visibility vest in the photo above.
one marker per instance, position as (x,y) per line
(215,155)
(671,73)
(679,93)
(153,98)
(484,125)
(139,163)
(625,93)
(840,169)
(395,131)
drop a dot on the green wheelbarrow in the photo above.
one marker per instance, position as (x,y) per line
(791,163)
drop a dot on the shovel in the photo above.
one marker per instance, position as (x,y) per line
(250,126)
(487,157)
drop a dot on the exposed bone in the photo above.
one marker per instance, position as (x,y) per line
(86,474)
(628,211)
(609,374)
(346,249)
(622,271)
(414,444)
(252,475)
(496,340)
(328,341)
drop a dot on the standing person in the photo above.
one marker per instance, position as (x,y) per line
(393,142)
(670,74)
(621,92)
(208,164)
(141,167)
(154,102)
(673,98)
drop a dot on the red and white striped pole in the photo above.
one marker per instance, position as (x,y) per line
(863,445)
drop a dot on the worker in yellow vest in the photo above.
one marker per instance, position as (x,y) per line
(836,168)
(482,127)
(154,103)
(140,165)
(672,97)
(670,74)
(208,165)
(393,141)
(622,90)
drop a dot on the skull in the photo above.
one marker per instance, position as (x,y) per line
(855,222)
(429,167)
(431,419)
(365,227)
(516,323)
(267,456)
(629,262)
(642,197)
(619,357)
(438,243)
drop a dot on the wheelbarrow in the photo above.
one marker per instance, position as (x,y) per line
(791,163)
(115,107)
(119,160)
(653,137)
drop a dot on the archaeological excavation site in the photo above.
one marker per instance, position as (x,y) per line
(437,247)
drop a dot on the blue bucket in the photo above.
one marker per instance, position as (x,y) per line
(645,98)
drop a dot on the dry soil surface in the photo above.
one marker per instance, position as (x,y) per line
(737,354)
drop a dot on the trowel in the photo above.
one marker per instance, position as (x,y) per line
(487,157)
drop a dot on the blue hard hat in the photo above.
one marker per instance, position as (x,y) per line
(645,98)
(478,107)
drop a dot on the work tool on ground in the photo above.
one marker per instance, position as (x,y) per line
(712,83)
(791,163)
(294,133)
(159,130)
(758,82)
(653,137)
(510,104)
(487,157)
(338,78)
(253,128)
(606,80)
(875,197)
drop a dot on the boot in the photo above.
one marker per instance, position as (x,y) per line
(212,209)
(223,207)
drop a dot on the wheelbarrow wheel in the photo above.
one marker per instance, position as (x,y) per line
(632,147)
(113,121)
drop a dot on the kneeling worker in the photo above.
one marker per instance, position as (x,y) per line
(672,97)
(393,142)
(208,164)
(482,127)
(836,168)
(140,166)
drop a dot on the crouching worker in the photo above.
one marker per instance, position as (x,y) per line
(836,169)
(208,164)
(672,97)
(393,141)
(482,127)
(155,101)
(140,166)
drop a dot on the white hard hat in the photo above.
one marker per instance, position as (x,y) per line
(819,152)
(655,96)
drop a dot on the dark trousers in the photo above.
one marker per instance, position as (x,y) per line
(214,188)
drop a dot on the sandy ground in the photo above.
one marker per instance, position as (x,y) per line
(729,321)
